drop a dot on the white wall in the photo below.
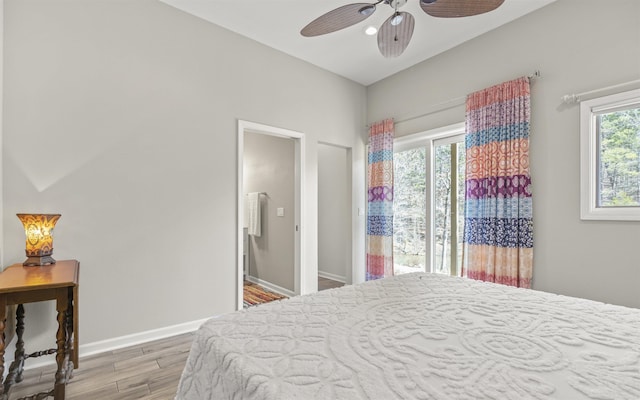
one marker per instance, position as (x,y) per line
(334,227)
(269,167)
(10,323)
(122,116)
(1,125)
(578,45)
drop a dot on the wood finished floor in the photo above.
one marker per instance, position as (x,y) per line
(324,283)
(149,371)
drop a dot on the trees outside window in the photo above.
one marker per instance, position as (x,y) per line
(409,206)
(619,161)
(448,215)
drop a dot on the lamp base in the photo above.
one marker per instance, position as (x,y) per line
(37,261)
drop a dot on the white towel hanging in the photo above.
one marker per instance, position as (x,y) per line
(252,204)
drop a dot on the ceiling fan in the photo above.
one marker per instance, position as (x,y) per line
(395,33)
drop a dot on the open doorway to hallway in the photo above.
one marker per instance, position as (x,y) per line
(334,216)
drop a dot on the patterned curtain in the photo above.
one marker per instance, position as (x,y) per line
(498,231)
(380,212)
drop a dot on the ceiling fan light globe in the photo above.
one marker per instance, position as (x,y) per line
(397,19)
(367,10)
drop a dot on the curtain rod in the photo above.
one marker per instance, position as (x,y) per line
(458,101)
(577,98)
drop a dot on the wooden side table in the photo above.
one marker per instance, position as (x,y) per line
(20,285)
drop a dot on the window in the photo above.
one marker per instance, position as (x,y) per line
(610,157)
(429,201)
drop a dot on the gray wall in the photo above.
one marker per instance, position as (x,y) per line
(269,167)
(334,228)
(578,45)
(122,116)
(1,127)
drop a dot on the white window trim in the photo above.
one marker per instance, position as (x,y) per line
(589,110)
(424,138)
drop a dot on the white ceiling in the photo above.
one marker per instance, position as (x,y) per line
(349,52)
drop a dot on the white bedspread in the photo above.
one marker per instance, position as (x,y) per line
(419,336)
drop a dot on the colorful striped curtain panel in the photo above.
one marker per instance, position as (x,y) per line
(498,232)
(380,211)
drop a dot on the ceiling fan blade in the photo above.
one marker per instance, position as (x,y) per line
(458,8)
(395,33)
(340,18)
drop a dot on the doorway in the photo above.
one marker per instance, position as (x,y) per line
(269,209)
(334,216)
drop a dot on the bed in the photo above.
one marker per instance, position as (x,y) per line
(418,336)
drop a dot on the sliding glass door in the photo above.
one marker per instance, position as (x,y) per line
(448,204)
(409,217)
(429,202)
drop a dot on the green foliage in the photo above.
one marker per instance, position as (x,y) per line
(619,162)
(443,203)
(410,214)
(409,200)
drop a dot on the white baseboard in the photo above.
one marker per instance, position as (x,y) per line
(102,346)
(138,338)
(333,277)
(270,286)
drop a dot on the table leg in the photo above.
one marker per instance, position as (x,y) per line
(17,366)
(75,316)
(3,318)
(70,332)
(62,306)
(19,354)
(68,345)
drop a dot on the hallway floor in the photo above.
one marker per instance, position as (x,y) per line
(255,294)
(324,283)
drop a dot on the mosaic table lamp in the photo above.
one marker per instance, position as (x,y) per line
(38,229)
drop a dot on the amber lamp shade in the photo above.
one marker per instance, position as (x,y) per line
(38,229)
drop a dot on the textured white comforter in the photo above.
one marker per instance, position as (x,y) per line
(419,336)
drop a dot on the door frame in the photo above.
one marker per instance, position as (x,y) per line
(299,201)
(350,256)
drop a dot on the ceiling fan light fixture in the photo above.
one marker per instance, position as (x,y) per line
(397,19)
(367,10)
(396,32)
